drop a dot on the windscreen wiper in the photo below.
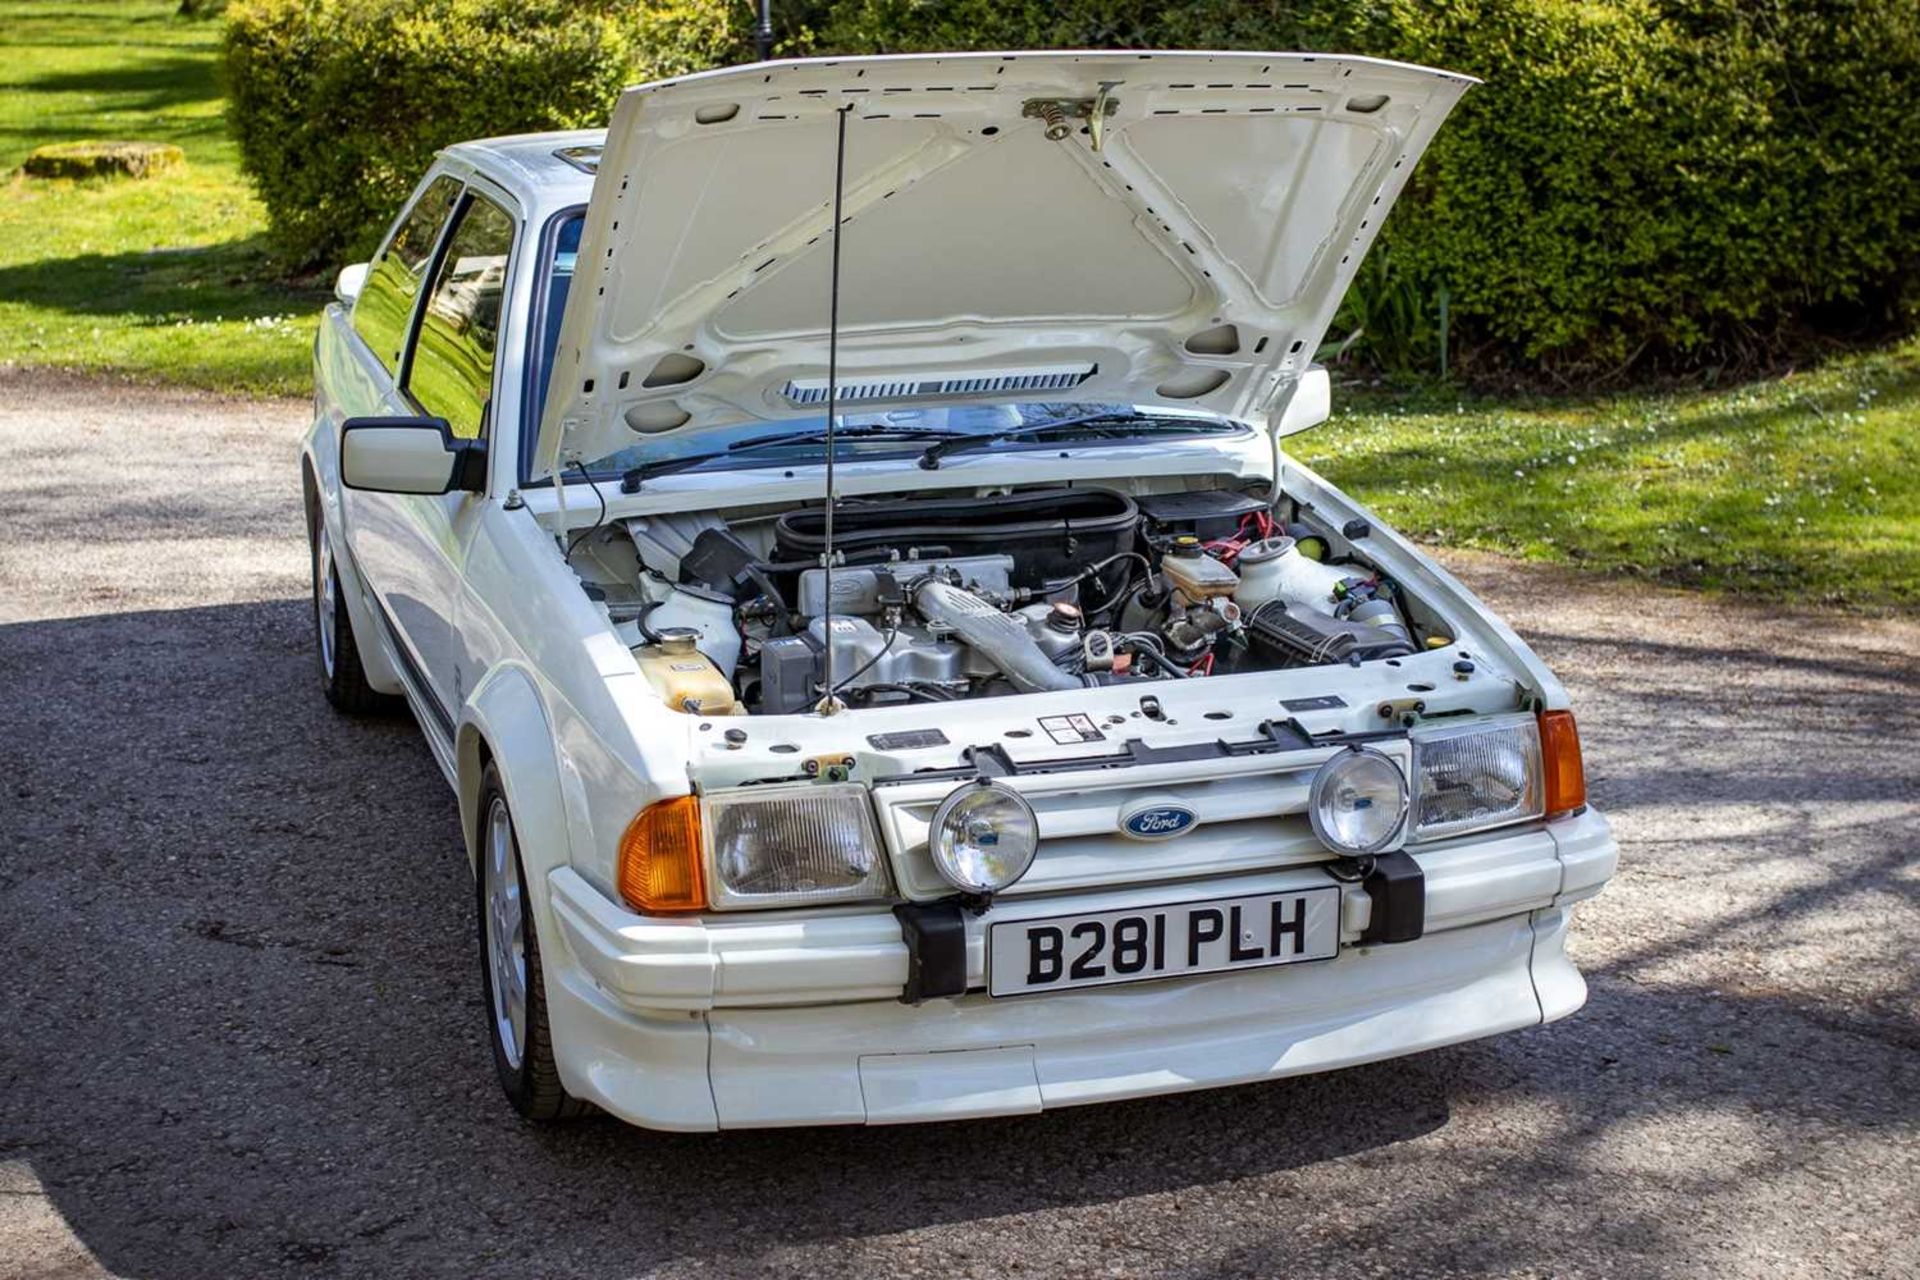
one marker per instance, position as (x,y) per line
(1136,424)
(631,480)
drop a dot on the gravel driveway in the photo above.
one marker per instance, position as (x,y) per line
(240,1033)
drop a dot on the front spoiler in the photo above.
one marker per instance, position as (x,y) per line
(730,1023)
(879,1062)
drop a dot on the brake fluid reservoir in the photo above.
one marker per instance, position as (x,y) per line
(1274,569)
(684,677)
(1195,574)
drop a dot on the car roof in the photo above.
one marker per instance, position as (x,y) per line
(542,169)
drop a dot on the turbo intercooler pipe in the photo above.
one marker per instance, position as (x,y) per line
(999,637)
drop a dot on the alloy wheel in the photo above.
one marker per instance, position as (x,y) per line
(326,591)
(506,933)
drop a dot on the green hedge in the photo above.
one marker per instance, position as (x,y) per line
(1680,183)
(1641,184)
(338,105)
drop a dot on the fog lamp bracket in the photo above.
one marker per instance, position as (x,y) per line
(936,938)
(1398,889)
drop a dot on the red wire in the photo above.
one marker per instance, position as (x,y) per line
(1227,550)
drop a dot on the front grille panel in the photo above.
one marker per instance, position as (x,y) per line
(1252,818)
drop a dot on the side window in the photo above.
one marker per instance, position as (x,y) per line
(385,306)
(451,374)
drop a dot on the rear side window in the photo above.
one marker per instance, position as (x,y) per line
(385,306)
(451,374)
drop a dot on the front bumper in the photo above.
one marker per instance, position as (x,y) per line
(795,1018)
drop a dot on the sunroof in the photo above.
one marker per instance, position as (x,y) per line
(585,159)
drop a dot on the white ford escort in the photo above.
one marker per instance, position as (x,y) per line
(836,533)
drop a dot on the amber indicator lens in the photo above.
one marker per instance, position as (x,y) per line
(1566,775)
(660,858)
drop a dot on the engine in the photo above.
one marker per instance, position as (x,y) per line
(927,629)
(946,598)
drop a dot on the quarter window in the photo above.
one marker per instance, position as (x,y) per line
(385,306)
(566,249)
(451,373)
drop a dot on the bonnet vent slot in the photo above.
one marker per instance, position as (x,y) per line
(812,391)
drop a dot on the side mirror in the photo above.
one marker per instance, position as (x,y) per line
(1310,404)
(409,455)
(347,285)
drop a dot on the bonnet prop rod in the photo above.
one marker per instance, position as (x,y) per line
(830,703)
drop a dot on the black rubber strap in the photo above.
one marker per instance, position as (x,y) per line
(936,938)
(1399,891)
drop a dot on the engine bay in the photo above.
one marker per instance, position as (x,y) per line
(938,597)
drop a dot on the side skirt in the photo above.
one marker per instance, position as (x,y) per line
(435,720)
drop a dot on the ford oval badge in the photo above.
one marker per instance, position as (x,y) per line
(1157,820)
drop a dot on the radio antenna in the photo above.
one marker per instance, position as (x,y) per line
(830,703)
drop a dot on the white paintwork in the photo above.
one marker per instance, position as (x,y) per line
(462,602)
(791,1064)
(1308,406)
(347,285)
(396,460)
(1228,189)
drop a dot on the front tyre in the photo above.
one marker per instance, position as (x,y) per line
(342,677)
(515,998)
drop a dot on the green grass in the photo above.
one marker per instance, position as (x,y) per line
(1802,489)
(167,278)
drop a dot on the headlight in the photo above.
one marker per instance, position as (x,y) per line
(791,845)
(983,837)
(1358,802)
(1476,774)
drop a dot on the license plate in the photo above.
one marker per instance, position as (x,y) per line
(1170,941)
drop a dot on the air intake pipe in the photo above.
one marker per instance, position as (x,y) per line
(1001,638)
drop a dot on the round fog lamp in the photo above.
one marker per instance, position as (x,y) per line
(1358,802)
(983,837)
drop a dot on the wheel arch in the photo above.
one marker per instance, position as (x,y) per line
(505,723)
(367,632)
(309,492)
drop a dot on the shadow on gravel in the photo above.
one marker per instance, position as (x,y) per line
(56,513)
(244,1037)
(1892,668)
